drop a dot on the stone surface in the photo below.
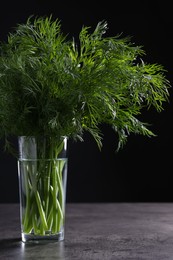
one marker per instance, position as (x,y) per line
(102,231)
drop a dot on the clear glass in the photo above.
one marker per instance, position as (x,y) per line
(42,169)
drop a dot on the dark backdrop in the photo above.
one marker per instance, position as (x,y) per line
(142,171)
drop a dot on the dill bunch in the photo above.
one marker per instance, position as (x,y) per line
(52,86)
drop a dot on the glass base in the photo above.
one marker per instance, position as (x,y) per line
(31,238)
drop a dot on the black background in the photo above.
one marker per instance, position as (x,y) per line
(142,171)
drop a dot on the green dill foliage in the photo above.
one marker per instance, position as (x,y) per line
(50,85)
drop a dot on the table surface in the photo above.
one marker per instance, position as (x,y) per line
(103,231)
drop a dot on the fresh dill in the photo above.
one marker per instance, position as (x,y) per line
(53,86)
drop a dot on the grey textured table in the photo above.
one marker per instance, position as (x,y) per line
(97,231)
